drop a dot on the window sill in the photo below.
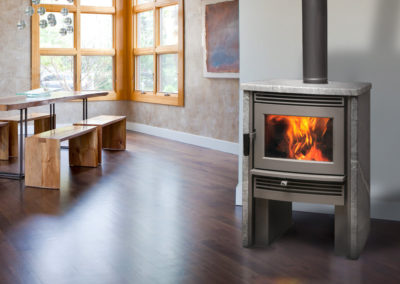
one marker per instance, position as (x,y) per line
(159,98)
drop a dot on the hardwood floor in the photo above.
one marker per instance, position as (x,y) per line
(162,212)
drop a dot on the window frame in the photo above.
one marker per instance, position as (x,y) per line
(176,99)
(77,52)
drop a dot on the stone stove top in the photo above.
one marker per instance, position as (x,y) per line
(299,87)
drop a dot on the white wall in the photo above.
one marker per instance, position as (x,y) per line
(364,45)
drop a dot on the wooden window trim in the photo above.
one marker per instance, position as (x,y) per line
(155,96)
(119,45)
(124,42)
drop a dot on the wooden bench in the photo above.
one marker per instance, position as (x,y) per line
(111,131)
(42,154)
(41,121)
(4,140)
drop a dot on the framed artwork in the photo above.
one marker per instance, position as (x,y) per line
(221,38)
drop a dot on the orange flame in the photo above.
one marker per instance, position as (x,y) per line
(301,136)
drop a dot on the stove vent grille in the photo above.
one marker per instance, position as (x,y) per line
(299,186)
(295,99)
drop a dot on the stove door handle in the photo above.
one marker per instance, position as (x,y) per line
(248,139)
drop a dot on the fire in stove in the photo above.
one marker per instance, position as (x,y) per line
(299,138)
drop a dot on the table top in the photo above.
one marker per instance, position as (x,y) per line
(21,102)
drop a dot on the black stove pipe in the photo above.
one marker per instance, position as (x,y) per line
(315,41)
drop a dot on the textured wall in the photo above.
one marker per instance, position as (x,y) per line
(364,45)
(211,105)
(14,48)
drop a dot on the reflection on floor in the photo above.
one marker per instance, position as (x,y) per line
(162,212)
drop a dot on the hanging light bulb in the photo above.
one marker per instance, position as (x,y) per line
(70,29)
(63,31)
(43,24)
(41,11)
(51,17)
(64,12)
(29,11)
(21,25)
(52,23)
(68,21)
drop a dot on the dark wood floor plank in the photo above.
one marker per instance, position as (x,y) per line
(163,212)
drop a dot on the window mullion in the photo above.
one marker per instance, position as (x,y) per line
(35,80)
(77,43)
(156,44)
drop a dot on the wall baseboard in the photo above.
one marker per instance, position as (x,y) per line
(238,195)
(201,141)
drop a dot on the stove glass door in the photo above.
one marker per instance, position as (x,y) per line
(301,139)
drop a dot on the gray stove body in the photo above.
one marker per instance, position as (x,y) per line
(271,185)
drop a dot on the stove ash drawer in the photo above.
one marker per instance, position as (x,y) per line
(293,190)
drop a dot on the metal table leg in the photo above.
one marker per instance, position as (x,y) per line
(26,122)
(21,142)
(85,108)
(52,116)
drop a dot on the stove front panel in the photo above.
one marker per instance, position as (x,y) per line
(300,139)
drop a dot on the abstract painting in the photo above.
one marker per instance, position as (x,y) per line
(221,38)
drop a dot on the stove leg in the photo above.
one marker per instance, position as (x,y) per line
(352,226)
(341,236)
(272,219)
(352,221)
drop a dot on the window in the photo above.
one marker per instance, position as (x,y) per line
(132,48)
(157,55)
(83,59)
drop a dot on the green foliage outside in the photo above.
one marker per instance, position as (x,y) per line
(97,73)
(58,71)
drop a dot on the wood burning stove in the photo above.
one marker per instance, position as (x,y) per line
(307,141)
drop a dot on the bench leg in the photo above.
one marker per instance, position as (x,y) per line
(13,138)
(83,150)
(43,125)
(4,141)
(114,136)
(42,163)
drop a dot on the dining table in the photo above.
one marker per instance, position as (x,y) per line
(22,103)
